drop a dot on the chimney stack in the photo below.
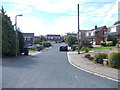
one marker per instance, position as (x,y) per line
(95,26)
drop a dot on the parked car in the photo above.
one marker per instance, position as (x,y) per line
(40,47)
(53,42)
(63,48)
(46,44)
(32,47)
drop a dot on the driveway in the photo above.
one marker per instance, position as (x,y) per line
(49,69)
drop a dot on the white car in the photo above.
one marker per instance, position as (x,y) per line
(53,42)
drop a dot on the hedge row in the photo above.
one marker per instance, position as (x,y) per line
(113,58)
(108,43)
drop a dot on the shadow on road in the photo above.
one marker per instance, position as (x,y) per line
(22,62)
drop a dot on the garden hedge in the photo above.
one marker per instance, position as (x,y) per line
(114,59)
(98,58)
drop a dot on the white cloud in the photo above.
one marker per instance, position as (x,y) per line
(62,24)
(66,24)
(77,1)
(103,10)
(53,6)
(31,25)
(110,14)
(96,19)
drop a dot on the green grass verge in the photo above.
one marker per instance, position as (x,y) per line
(32,50)
(101,48)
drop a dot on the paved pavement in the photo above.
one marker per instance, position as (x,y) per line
(9,59)
(49,69)
(79,61)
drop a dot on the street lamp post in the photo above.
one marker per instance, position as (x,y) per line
(16,33)
(78,33)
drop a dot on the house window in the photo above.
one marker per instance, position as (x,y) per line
(92,33)
(48,37)
(58,37)
(104,33)
(28,38)
(89,34)
(113,29)
(51,37)
(86,33)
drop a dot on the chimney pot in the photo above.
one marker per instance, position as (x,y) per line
(95,26)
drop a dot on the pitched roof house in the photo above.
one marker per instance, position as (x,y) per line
(29,38)
(53,37)
(97,35)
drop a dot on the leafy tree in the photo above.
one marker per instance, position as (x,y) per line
(112,38)
(87,44)
(8,35)
(71,40)
(3,11)
(42,38)
(21,41)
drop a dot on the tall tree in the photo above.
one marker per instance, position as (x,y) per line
(21,41)
(42,38)
(8,35)
(2,10)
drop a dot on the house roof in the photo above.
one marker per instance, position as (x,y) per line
(28,34)
(99,28)
(118,22)
(53,35)
(71,33)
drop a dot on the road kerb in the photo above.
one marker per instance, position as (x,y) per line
(35,53)
(73,64)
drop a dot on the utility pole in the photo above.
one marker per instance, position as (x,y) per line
(78,33)
(17,43)
(16,52)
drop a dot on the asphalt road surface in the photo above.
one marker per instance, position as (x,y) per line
(49,69)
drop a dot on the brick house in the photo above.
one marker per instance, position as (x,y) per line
(96,35)
(53,37)
(29,38)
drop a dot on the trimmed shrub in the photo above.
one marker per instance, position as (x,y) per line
(103,43)
(98,58)
(76,42)
(82,49)
(86,49)
(73,47)
(77,48)
(114,59)
(87,55)
(109,43)
(91,58)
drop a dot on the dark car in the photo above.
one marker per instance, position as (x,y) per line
(63,48)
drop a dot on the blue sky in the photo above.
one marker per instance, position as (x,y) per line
(60,16)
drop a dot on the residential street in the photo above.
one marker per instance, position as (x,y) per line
(49,69)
